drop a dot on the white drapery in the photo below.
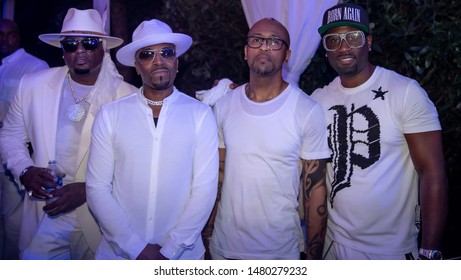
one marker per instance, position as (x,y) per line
(302,18)
(103,7)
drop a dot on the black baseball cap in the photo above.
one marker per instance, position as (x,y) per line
(345,14)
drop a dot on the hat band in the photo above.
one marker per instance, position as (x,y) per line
(83,32)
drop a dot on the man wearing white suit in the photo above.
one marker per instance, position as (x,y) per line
(54,110)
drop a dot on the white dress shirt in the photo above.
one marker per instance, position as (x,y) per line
(153,184)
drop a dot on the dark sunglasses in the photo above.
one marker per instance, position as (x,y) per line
(89,44)
(146,56)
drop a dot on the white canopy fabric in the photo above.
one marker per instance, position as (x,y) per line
(302,18)
(103,7)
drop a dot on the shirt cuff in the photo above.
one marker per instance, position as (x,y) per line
(172,250)
(134,246)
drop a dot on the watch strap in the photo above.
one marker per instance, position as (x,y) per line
(431,254)
(24,172)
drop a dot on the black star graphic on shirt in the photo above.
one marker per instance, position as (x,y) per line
(379,93)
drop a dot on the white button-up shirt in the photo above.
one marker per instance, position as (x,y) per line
(153,184)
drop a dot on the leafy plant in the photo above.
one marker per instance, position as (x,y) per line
(218,28)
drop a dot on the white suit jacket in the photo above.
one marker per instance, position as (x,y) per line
(32,117)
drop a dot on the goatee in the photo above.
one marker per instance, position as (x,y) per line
(263,71)
(81,71)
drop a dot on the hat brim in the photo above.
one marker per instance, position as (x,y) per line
(327,27)
(55,39)
(182,42)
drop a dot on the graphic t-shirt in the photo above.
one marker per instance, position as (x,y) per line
(372,182)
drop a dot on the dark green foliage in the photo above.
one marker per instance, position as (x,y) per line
(218,28)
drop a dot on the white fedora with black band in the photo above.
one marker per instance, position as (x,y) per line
(81,23)
(152,32)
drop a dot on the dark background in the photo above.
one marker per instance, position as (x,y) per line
(417,38)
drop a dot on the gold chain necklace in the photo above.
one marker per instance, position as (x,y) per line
(75,112)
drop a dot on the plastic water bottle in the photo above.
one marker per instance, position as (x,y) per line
(58,175)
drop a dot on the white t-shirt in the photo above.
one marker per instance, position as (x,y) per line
(68,133)
(373,185)
(257,215)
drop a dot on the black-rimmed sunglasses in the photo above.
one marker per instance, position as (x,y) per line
(89,44)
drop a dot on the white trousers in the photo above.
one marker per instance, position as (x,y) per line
(59,238)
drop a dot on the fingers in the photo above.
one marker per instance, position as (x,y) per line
(36,180)
(53,207)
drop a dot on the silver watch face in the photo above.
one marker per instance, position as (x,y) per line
(435,255)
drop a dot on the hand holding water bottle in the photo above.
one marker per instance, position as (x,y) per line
(58,175)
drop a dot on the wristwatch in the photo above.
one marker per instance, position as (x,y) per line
(431,254)
(24,172)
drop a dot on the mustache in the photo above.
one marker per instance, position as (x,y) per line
(265,55)
(345,54)
(159,68)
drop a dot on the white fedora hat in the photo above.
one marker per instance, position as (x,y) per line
(152,32)
(81,23)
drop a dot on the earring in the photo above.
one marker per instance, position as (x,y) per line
(326,55)
(369,49)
